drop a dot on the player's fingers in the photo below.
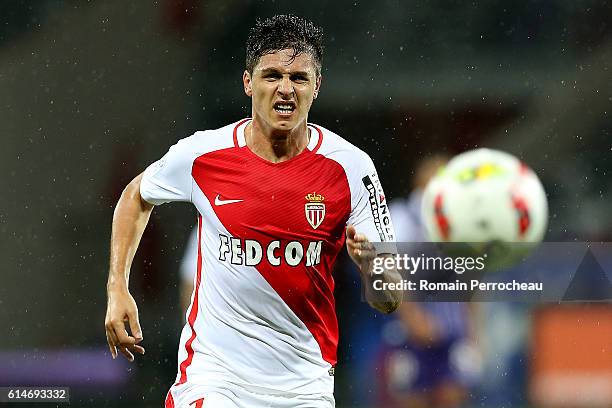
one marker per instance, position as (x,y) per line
(139,349)
(359,246)
(123,338)
(365,251)
(113,351)
(111,345)
(352,244)
(350,232)
(353,249)
(135,326)
(127,353)
(360,238)
(114,340)
(110,334)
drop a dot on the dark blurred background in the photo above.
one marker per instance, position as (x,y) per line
(91,92)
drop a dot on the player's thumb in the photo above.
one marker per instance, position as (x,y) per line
(350,232)
(135,326)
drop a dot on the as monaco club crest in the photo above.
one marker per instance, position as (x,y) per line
(315,209)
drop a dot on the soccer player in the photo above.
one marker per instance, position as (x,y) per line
(437,361)
(188,270)
(277,198)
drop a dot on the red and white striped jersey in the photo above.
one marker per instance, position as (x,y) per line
(262,312)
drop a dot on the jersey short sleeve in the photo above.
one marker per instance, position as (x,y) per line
(169,178)
(370,212)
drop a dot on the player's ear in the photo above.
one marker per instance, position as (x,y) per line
(317,86)
(246,81)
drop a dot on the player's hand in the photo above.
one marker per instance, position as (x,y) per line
(122,308)
(360,249)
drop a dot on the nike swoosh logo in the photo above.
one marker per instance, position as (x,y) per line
(219,201)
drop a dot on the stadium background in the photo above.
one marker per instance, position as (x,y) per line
(91,92)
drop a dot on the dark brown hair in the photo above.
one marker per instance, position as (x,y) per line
(284,32)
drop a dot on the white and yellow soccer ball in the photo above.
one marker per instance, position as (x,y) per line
(485,196)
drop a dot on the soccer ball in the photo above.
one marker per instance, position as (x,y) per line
(485,196)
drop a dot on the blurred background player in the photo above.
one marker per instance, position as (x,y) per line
(428,355)
(187,271)
(407,211)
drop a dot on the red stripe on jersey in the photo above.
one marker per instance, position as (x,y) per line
(197,403)
(236,130)
(193,312)
(169,401)
(273,208)
(320,139)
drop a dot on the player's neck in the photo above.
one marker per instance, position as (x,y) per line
(276,146)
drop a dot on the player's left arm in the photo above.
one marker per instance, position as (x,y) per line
(370,222)
(363,253)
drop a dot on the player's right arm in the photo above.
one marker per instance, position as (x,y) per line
(129,222)
(167,180)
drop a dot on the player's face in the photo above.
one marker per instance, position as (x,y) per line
(282,89)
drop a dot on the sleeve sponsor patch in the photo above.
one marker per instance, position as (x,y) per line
(378,206)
